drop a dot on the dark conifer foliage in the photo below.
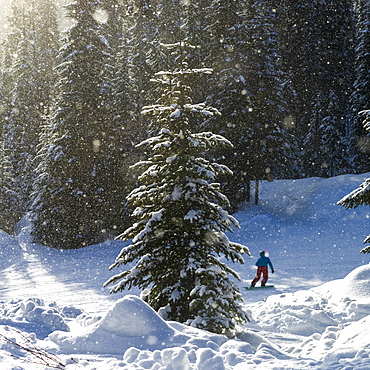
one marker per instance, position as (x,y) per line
(317,39)
(9,215)
(31,47)
(46,50)
(113,18)
(170,20)
(195,31)
(359,138)
(311,36)
(180,228)
(248,89)
(20,129)
(324,147)
(127,130)
(75,204)
(269,82)
(142,47)
(228,33)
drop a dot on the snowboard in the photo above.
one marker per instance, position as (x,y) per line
(259,287)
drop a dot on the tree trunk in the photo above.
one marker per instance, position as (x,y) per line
(256,192)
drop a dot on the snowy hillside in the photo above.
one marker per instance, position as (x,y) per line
(317,316)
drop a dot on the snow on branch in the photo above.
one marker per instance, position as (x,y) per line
(367,249)
(366,122)
(357,197)
(213,139)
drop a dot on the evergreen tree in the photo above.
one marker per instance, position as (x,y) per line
(248,89)
(324,148)
(8,214)
(340,22)
(46,50)
(128,129)
(145,56)
(229,43)
(359,140)
(195,31)
(361,195)
(27,81)
(20,132)
(113,22)
(74,205)
(170,20)
(271,141)
(317,39)
(180,228)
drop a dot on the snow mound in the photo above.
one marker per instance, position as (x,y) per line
(357,283)
(131,317)
(300,313)
(130,322)
(132,329)
(351,348)
(32,315)
(309,312)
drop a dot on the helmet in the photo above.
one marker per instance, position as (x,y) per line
(262,253)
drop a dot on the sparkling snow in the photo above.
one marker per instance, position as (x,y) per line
(317,316)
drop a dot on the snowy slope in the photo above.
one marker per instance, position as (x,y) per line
(317,317)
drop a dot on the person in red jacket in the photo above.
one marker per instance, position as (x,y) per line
(262,269)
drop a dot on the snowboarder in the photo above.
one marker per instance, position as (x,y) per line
(262,269)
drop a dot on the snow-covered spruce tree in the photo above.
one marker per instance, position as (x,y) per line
(336,157)
(20,133)
(27,81)
(361,195)
(180,230)
(78,190)
(227,44)
(270,142)
(8,214)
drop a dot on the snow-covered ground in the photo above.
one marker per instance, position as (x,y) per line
(316,317)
